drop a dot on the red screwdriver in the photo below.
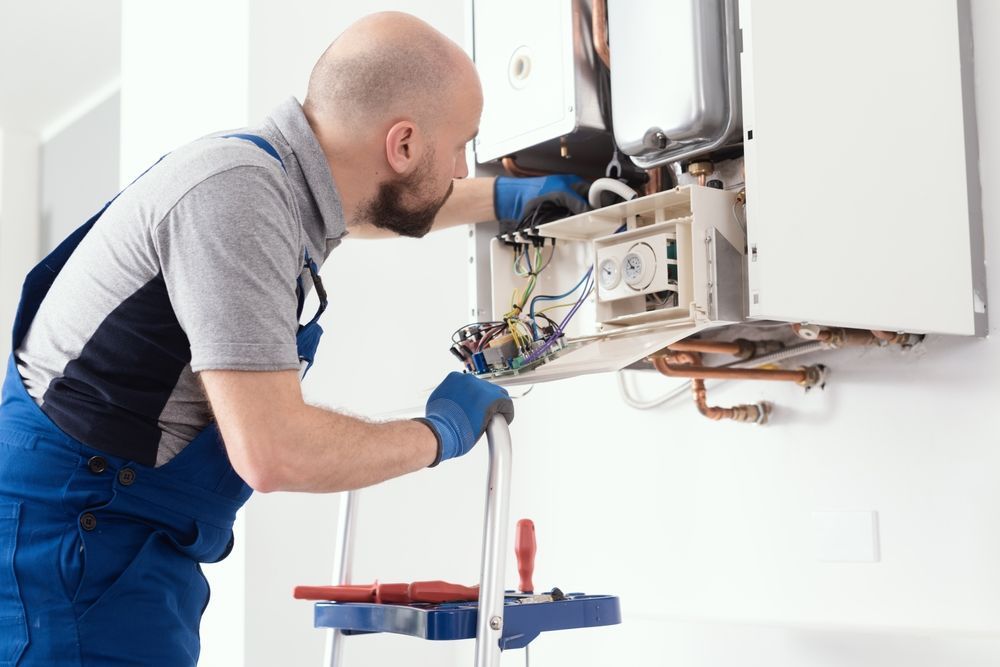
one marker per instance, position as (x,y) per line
(524,550)
(417,591)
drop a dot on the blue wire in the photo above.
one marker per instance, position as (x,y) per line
(549,297)
(560,328)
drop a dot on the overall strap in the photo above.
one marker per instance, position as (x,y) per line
(260,142)
(309,264)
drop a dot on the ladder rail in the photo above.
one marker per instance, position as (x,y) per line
(489,622)
(343,564)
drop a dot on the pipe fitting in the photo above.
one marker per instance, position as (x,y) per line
(701,170)
(815,375)
(807,331)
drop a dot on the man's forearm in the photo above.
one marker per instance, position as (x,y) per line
(328,451)
(471,201)
(278,443)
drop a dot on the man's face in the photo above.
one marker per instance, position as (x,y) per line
(407,205)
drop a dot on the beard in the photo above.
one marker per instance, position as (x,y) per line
(387,210)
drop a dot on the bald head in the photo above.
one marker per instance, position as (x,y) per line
(384,67)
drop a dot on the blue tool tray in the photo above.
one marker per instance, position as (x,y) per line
(522,622)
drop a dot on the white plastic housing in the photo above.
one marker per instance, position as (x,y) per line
(534,60)
(875,222)
(606,336)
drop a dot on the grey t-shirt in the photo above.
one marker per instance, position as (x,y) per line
(194,266)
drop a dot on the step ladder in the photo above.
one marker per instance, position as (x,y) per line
(505,623)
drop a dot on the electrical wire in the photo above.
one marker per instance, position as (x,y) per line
(737,218)
(560,329)
(454,336)
(549,297)
(528,261)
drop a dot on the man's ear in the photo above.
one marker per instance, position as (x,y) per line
(403,146)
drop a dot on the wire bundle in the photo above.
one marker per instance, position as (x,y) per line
(588,286)
(530,340)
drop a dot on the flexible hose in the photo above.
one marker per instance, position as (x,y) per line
(609,185)
(781,355)
(681,390)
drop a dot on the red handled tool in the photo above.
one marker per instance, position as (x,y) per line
(417,591)
(435,592)
(524,550)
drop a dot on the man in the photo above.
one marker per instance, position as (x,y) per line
(173,317)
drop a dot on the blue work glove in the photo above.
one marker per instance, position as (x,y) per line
(459,410)
(511,195)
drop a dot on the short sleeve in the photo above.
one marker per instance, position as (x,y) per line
(230,252)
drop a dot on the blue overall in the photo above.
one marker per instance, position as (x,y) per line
(100,556)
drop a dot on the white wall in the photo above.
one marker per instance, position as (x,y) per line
(19,220)
(79,170)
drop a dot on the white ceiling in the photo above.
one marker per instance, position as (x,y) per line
(54,54)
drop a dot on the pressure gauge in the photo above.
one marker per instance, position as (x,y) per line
(609,275)
(639,266)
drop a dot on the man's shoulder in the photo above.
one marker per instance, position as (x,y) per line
(211,156)
(214,170)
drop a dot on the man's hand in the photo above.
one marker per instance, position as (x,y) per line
(459,411)
(512,195)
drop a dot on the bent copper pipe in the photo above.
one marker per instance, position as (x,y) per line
(754,414)
(512,168)
(599,28)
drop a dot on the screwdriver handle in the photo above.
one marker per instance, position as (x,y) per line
(417,591)
(524,549)
(349,593)
(442,591)
(392,594)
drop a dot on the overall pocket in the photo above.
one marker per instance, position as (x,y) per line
(150,613)
(13,626)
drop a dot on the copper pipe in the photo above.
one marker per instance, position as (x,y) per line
(655,182)
(806,377)
(746,413)
(512,168)
(738,348)
(599,28)
(837,337)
